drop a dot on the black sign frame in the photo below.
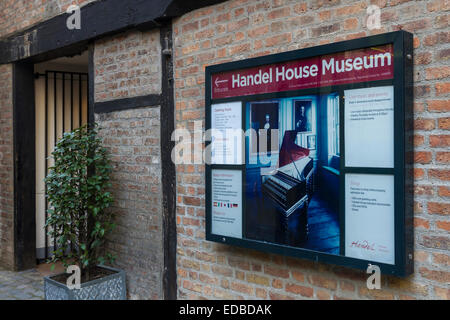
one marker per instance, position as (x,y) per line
(403,131)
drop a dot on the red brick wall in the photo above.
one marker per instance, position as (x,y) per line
(16,15)
(128,65)
(241,29)
(132,138)
(6,169)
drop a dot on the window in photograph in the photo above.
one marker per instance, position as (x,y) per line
(333,125)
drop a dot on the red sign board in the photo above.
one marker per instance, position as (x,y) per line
(369,64)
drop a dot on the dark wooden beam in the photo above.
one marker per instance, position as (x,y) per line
(24,166)
(91,85)
(179,7)
(168,173)
(98,19)
(128,103)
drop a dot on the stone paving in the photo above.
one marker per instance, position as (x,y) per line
(24,285)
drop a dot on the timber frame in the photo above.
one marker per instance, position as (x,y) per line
(51,38)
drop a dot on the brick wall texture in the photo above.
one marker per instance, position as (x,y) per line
(16,15)
(127,65)
(132,138)
(6,169)
(241,29)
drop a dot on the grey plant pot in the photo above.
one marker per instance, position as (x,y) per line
(111,287)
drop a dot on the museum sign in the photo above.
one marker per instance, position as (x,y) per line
(320,169)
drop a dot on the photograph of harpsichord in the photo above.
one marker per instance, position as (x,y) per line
(292,171)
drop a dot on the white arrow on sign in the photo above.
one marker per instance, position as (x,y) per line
(219,81)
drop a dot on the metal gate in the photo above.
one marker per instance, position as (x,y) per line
(61,106)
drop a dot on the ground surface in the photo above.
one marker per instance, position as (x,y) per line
(24,285)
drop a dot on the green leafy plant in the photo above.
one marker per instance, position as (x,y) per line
(77,192)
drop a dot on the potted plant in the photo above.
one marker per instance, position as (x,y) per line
(78,219)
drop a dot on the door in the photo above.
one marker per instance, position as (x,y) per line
(61,106)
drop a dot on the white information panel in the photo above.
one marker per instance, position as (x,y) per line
(369,127)
(226,204)
(369,217)
(226,133)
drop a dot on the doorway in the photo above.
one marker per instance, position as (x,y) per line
(61,105)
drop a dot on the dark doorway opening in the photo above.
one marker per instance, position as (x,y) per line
(61,106)
(33,110)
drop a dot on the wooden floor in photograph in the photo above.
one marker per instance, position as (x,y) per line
(323,227)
